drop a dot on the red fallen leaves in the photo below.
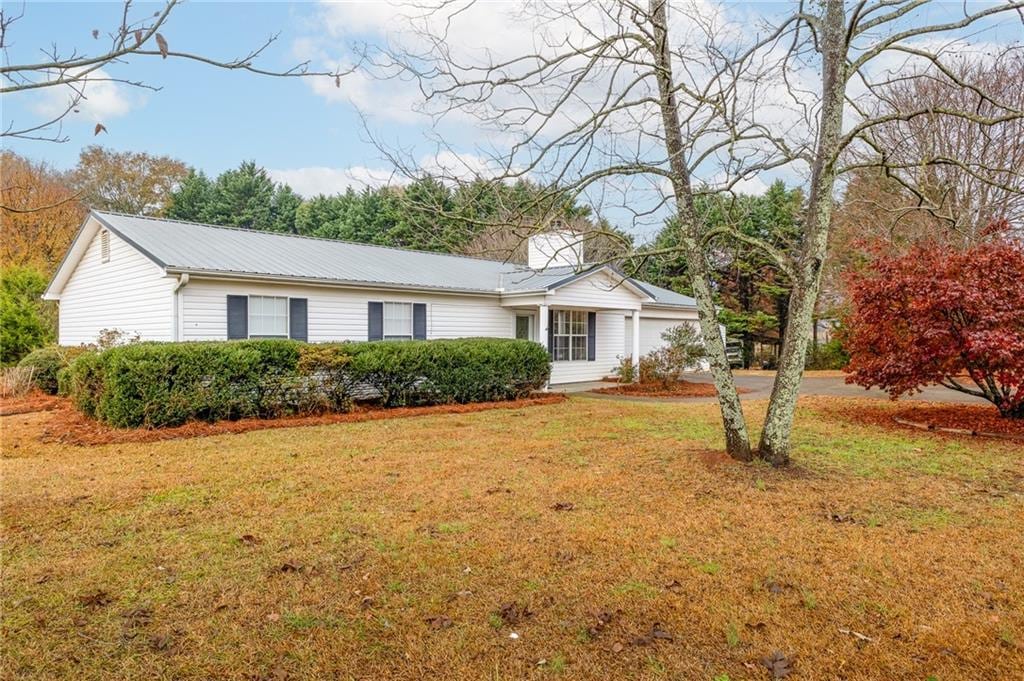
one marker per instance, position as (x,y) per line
(933,315)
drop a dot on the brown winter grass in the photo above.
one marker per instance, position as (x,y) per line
(414,548)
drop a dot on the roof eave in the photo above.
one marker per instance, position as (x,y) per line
(338,283)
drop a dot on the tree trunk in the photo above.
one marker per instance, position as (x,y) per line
(737,441)
(775,443)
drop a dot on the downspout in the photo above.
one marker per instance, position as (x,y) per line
(179,330)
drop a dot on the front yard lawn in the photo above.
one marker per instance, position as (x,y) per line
(588,539)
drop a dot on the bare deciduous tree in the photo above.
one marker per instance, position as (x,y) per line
(971,175)
(627,102)
(137,34)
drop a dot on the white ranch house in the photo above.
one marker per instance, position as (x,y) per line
(166,280)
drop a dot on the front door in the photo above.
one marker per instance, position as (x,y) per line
(524,327)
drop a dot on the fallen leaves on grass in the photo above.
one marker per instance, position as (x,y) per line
(160,642)
(514,613)
(138,617)
(439,621)
(657,633)
(674,586)
(95,599)
(779,666)
(977,418)
(601,620)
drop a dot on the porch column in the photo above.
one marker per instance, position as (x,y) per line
(636,345)
(542,327)
(542,331)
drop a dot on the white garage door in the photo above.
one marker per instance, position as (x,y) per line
(650,333)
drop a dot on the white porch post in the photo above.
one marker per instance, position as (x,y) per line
(542,331)
(636,345)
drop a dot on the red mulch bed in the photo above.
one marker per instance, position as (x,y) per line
(69,426)
(975,419)
(26,404)
(678,389)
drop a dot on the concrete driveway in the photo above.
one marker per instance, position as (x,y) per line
(759,386)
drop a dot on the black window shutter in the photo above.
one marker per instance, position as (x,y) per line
(419,321)
(298,319)
(591,336)
(375,321)
(238,317)
(551,333)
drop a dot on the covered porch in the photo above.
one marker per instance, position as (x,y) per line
(586,344)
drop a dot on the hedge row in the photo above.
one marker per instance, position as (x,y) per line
(166,384)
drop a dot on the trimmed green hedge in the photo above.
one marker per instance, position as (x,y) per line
(166,384)
(48,362)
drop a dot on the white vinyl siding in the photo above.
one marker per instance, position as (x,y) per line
(599,291)
(268,317)
(397,321)
(608,349)
(128,293)
(337,314)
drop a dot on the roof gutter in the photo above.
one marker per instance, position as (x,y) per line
(333,283)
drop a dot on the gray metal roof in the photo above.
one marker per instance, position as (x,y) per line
(663,296)
(196,248)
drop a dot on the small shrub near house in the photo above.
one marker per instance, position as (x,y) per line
(682,352)
(166,384)
(46,363)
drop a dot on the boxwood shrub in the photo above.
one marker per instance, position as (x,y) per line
(48,362)
(164,384)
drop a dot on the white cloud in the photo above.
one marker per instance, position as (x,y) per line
(323,180)
(447,165)
(101,99)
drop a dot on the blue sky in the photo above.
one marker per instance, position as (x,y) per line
(307,133)
(210,118)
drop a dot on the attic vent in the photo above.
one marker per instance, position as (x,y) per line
(105,246)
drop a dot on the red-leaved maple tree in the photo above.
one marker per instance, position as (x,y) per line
(938,316)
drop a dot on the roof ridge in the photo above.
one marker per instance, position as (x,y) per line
(302,236)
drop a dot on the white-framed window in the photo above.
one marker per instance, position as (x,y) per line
(104,246)
(268,317)
(569,335)
(397,321)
